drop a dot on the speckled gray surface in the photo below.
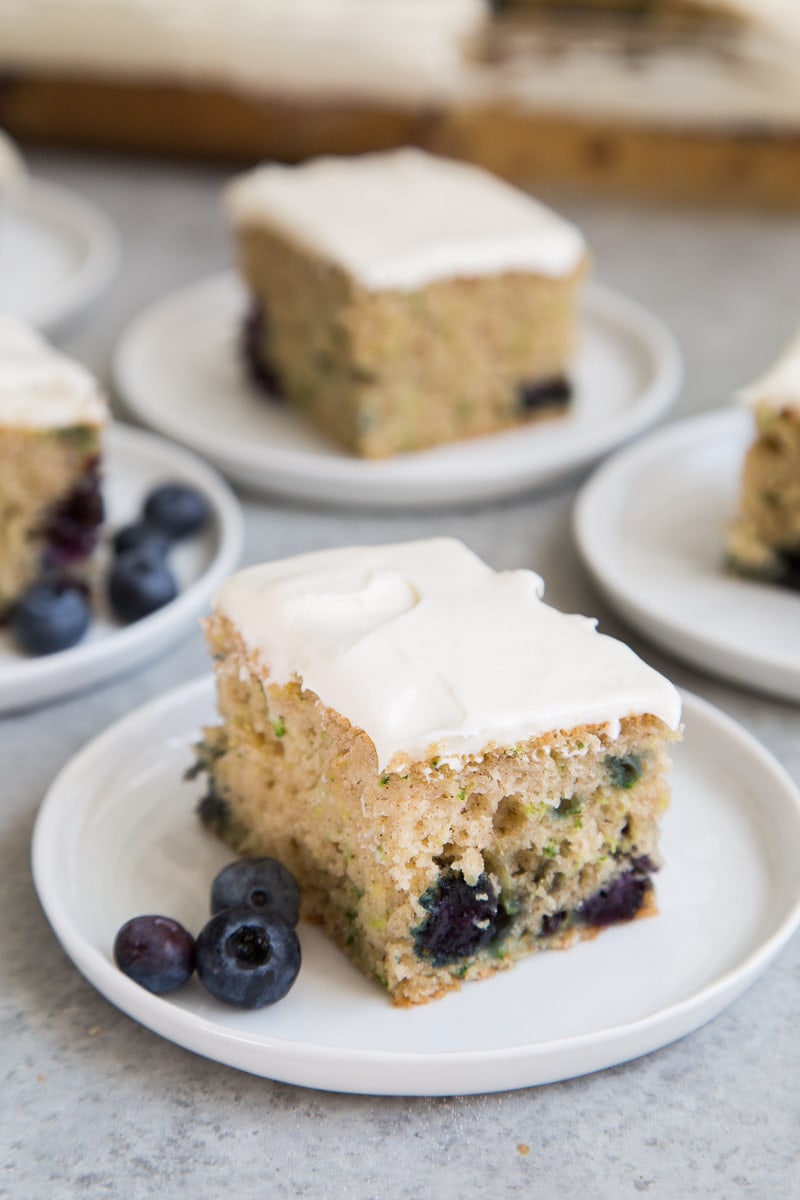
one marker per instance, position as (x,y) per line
(95,1105)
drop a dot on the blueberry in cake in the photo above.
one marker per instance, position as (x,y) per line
(456,773)
(765,539)
(403,300)
(52,416)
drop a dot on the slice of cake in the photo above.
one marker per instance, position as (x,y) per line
(52,414)
(765,540)
(405,300)
(456,773)
(12,166)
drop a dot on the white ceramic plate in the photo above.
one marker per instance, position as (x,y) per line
(178,368)
(135,462)
(57,253)
(115,838)
(651,527)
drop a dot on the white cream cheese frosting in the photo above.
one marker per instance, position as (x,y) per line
(433,653)
(348,48)
(404,218)
(779,388)
(41,388)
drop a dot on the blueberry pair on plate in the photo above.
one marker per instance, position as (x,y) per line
(247,955)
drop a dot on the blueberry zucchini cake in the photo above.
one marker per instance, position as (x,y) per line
(403,300)
(52,416)
(456,773)
(765,539)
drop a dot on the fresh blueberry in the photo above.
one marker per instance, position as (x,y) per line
(156,952)
(141,536)
(463,919)
(139,584)
(50,616)
(177,510)
(247,957)
(619,900)
(261,883)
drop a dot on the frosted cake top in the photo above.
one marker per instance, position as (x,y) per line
(403,219)
(433,653)
(779,388)
(40,388)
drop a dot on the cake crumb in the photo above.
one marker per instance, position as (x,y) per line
(523,1148)
(95,1031)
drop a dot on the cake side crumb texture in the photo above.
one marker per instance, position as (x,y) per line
(764,541)
(435,851)
(52,418)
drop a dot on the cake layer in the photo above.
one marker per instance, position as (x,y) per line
(765,540)
(52,417)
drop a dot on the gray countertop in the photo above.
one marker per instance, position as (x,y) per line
(97,1105)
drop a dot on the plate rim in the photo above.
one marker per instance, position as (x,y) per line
(141,639)
(319,1066)
(347,480)
(673,632)
(59,206)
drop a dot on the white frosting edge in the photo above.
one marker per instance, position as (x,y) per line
(402,219)
(434,654)
(779,387)
(40,388)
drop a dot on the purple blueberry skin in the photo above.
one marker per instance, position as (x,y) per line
(139,584)
(72,528)
(260,883)
(141,536)
(463,919)
(51,615)
(247,957)
(155,952)
(176,509)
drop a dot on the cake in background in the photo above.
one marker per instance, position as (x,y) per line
(765,540)
(456,773)
(12,164)
(672,98)
(52,417)
(404,300)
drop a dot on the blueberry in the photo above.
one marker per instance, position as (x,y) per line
(261,883)
(463,919)
(177,510)
(71,532)
(50,616)
(139,584)
(248,957)
(624,770)
(619,900)
(141,536)
(156,952)
(544,394)
(255,342)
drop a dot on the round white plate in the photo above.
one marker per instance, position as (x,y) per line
(178,368)
(113,840)
(57,253)
(651,527)
(135,461)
